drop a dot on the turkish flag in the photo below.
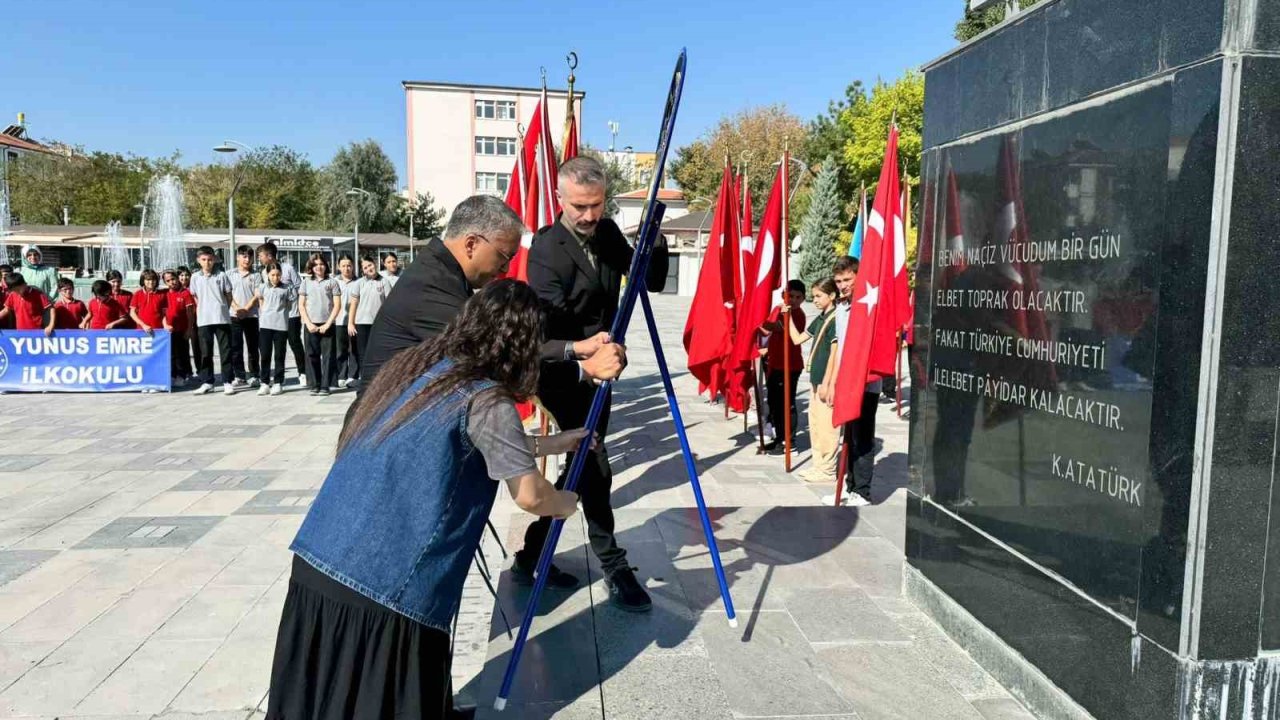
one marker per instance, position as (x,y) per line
(762,278)
(880,302)
(531,191)
(708,335)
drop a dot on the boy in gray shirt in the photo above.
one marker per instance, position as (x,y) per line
(244,318)
(212,292)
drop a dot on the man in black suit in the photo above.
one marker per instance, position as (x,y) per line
(576,266)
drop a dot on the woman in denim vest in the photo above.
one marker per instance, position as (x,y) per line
(382,555)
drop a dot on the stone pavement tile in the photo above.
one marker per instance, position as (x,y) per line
(141,532)
(194,568)
(138,614)
(665,686)
(840,615)
(217,432)
(299,480)
(228,480)
(17,658)
(61,535)
(219,503)
(113,505)
(951,661)
(124,571)
(62,616)
(165,461)
(874,563)
(239,672)
(19,463)
(111,446)
(313,419)
(16,562)
(211,614)
(892,682)
(283,532)
(237,531)
(55,575)
(150,678)
(774,672)
(227,715)
(170,502)
(66,676)
(22,503)
(1002,709)
(293,461)
(258,565)
(18,529)
(278,502)
(59,504)
(586,707)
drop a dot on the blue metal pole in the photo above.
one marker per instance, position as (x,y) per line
(690,467)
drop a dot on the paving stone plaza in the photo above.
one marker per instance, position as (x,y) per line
(144,563)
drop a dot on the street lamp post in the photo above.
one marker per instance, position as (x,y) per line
(228,146)
(356,192)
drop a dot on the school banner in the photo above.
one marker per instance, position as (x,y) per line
(84,361)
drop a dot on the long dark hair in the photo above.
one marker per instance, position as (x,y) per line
(494,337)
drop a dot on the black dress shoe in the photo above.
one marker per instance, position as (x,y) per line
(627,593)
(461,712)
(523,575)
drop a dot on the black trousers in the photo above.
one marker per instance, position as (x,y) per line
(347,366)
(363,333)
(179,354)
(777,404)
(859,447)
(271,345)
(570,409)
(244,346)
(295,344)
(320,359)
(222,334)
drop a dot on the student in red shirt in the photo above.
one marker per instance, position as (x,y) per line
(123,298)
(30,308)
(7,323)
(178,309)
(149,305)
(68,312)
(774,360)
(104,312)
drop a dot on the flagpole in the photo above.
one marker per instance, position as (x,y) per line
(902,334)
(786,309)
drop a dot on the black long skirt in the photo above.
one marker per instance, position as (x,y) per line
(340,655)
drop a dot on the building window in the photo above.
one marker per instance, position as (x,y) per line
(492,183)
(486,145)
(496,109)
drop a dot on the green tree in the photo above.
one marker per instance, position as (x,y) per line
(96,187)
(752,139)
(827,137)
(365,166)
(975,22)
(279,190)
(821,227)
(428,218)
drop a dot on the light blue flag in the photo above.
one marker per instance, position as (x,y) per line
(855,247)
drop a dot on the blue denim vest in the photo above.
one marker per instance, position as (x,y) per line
(399,517)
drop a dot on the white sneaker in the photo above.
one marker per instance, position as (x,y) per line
(857,500)
(263,390)
(830,500)
(276,389)
(342,384)
(253,381)
(204,389)
(229,389)
(238,384)
(302,379)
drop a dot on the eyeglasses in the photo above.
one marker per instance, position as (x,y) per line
(506,259)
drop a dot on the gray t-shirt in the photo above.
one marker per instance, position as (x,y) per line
(243,288)
(288,276)
(320,295)
(369,295)
(391,279)
(210,292)
(494,427)
(842,327)
(347,286)
(273,306)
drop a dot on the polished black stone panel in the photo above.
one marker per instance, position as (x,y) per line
(1086,651)
(1248,383)
(1266,35)
(1064,51)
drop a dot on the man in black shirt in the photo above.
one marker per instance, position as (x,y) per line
(576,266)
(482,236)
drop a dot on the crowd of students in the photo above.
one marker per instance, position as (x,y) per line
(249,314)
(831,297)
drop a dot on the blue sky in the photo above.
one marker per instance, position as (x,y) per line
(151,77)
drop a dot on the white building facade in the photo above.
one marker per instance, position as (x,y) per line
(463,139)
